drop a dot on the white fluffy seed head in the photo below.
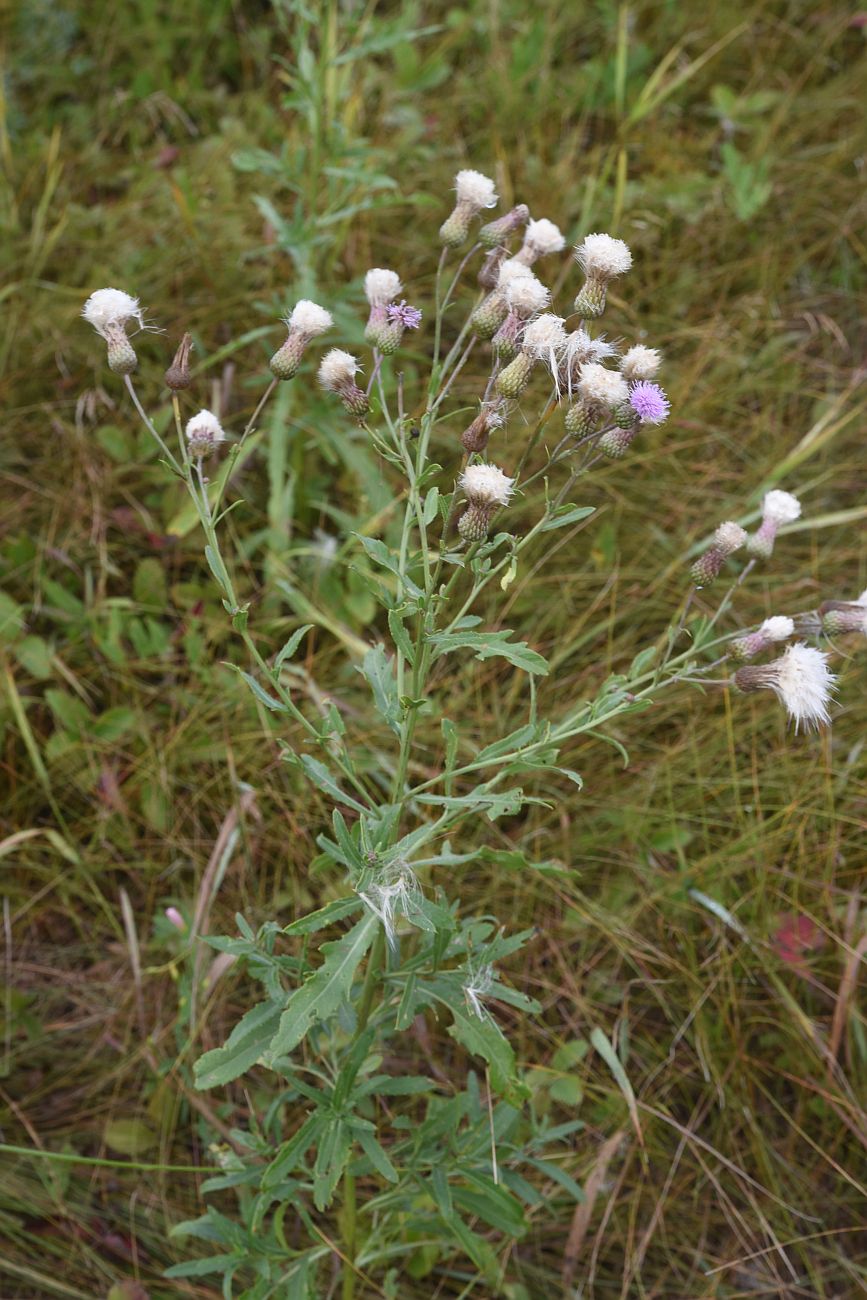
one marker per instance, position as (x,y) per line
(336,369)
(601,386)
(602,257)
(862,599)
(777,628)
(526,295)
(729,537)
(511,270)
(475,190)
(309,318)
(544,337)
(803,681)
(544,237)
(107,307)
(641,363)
(580,347)
(486,485)
(780,507)
(204,430)
(381,286)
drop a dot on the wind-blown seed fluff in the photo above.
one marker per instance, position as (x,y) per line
(640,363)
(486,485)
(544,237)
(381,286)
(475,190)
(580,348)
(526,295)
(309,318)
(801,680)
(111,307)
(544,337)
(336,369)
(601,386)
(780,507)
(602,257)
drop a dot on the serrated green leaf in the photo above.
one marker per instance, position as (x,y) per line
(327,915)
(489,645)
(378,669)
(242,1049)
(320,996)
(331,1157)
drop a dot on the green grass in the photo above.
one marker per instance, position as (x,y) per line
(220,160)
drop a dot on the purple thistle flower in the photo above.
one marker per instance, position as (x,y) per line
(649,403)
(408,317)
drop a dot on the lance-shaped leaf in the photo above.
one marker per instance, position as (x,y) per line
(322,993)
(243,1048)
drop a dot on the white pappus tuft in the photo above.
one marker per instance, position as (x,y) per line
(336,369)
(478,986)
(641,363)
(511,270)
(309,318)
(780,507)
(729,537)
(526,295)
(107,308)
(486,485)
(545,337)
(204,434)
(601,257)
(602,387)
(381,286)
(779,627)
(475,190)
(543,237)
(800,679)
(395,893)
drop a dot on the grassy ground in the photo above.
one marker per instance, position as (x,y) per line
(221,159)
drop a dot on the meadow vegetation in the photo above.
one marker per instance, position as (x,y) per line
(698,905)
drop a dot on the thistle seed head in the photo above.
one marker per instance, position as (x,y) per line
(204,434)
(640,363)
(800,679)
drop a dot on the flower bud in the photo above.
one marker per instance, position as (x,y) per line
(497,232)
(616,442)
(121,354)
(474,438)
(178,374)
(777,508)
(728,538)
(777,628)
(840,616)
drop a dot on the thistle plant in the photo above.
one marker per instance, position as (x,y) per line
(369,1163)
